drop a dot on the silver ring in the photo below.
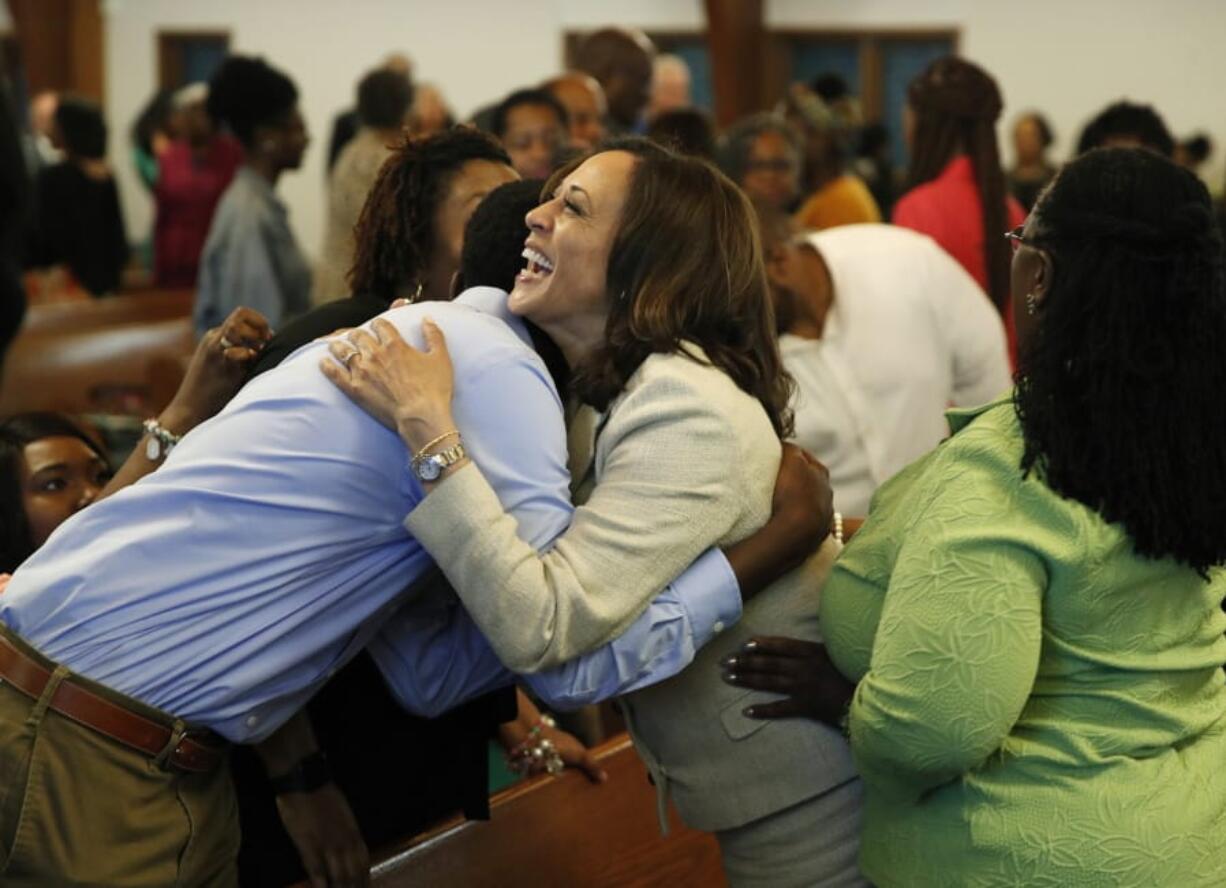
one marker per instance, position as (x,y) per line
(225,343)
(349,357)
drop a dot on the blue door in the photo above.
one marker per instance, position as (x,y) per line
(901,62)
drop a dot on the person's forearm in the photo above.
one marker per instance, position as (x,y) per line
(775,550)
(138,463)
(288,745)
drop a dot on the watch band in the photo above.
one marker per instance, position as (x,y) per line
(308,775)
(429,466)
(161,441)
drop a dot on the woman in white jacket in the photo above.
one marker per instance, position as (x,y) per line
(645,268)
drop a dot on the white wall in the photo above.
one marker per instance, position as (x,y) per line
(1066,58)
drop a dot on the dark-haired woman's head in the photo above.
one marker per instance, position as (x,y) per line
(1121,316)
(49,469)
(80,129)
(637,250)
(952,108)
(259,105)
(411,231)
(1127,125)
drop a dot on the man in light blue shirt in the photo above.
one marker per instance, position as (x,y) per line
(225,588)
(269,549)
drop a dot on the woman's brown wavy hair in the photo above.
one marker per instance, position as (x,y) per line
(686,267)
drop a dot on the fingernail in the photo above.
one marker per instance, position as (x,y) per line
(731,676)
(750,646)
(730,660)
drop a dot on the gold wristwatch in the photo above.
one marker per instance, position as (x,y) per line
(429,467)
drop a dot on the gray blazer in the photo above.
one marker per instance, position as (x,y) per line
(683,460)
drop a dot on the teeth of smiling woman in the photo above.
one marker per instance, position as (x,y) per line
(537,261)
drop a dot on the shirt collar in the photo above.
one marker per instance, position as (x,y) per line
(492,301)
(960,417)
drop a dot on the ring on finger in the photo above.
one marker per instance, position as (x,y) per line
(349,356)
(225,343)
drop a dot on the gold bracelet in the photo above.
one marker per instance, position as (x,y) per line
(440,438)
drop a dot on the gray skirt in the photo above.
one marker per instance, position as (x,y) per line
(815,843)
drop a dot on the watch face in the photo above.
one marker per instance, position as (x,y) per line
(429,469)
(153,449)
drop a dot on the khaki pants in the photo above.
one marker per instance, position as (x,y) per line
(77,808)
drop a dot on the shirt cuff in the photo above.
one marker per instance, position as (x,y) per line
(710,594)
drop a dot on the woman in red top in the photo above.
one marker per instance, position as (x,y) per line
(193,174)
(957,190)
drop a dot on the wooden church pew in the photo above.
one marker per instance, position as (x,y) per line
(563,831)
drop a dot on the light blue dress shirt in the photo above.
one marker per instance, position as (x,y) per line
(250,258)
(226,587)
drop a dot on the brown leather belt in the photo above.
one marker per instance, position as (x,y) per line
(107,718)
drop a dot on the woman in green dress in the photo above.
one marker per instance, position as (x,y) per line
(1028,630)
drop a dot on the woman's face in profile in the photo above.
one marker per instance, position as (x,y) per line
(571,235)
(59,477)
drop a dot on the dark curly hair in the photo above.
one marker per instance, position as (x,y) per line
(1127,120)
(15,433)
(395,233)
(247,93)
(1119,388)
(956,104)
(686,266)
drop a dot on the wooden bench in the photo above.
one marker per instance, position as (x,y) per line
(563,831)
(128,368)
(65,317)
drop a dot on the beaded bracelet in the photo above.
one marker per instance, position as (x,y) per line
(838,527)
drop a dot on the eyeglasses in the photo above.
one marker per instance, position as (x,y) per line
(1016,238)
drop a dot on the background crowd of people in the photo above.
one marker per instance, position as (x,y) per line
(1021,649)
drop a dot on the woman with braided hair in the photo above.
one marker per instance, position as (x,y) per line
(1032,613)
(957,192)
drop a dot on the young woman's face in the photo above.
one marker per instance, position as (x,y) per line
(468,187)
(60,476)
(570,238)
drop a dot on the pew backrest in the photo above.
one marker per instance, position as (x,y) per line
(563,831)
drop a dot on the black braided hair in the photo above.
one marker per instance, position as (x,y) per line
(395,232)
(1120,386)
(1127,120)
(956,104)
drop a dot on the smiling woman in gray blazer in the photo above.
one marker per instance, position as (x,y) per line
(644,267)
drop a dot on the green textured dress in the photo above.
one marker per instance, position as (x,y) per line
(1037,705)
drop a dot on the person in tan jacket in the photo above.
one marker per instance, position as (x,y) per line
(644,267)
